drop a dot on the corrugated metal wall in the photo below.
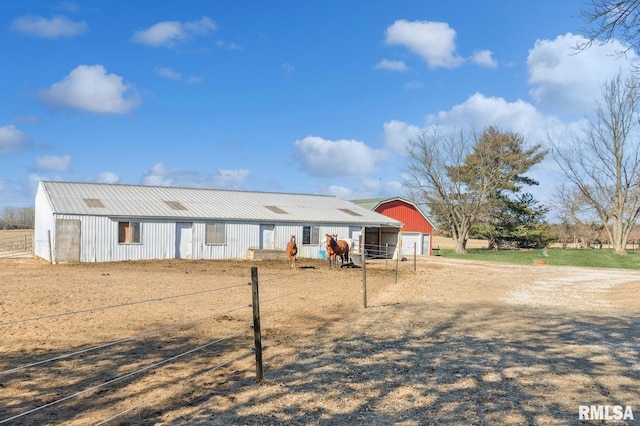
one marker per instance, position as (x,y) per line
(99,240)
(412,219)
(43,224)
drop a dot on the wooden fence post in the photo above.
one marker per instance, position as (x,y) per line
(364,268)
(414,256)
(364,279)
(256,322)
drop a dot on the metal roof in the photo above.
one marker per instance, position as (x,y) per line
(140,201)
(374,203)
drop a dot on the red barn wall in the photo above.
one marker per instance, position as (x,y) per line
(413,220)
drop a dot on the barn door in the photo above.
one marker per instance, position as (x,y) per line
(184,243)
(267,236)
(67,240)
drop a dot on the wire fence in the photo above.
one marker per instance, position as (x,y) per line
(66,386)
(16,245)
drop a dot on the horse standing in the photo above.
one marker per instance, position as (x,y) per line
(292,252)
(337,248)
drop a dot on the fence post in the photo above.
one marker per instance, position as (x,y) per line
(414,256)
(398,254)
(256,322)
(364,279)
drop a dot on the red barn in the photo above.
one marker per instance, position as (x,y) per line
(417,228)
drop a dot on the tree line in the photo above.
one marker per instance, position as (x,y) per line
(473,183)
(17,218)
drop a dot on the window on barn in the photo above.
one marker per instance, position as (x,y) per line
(216,233)
(129,232)
(310,235)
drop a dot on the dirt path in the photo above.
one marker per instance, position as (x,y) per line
(455,342)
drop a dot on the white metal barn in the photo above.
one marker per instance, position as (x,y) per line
(92,222)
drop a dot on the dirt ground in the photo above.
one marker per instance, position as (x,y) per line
(455,342)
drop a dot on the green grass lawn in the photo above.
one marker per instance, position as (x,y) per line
(602,258)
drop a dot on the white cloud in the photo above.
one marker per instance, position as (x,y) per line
(172,33)
(413,85)
(342,158)
(56,27)
(194,79)
(288,68)
(388,65)
(90,88)
(229,179)
(168,73)
(365,188)
(398,133)
(339,191)
(160,175)
(171,74)
(106,177)
(228,46)
(566,80)
(52,163)
(484,58)
(432,41)
(12,140)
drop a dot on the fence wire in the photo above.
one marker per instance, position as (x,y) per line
(124,376)
(265,302)
(103,308)
(116,342)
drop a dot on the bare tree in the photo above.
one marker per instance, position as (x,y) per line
(607,19)
(459,176)
(604,166)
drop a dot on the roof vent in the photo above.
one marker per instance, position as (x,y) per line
(175,205)
(350,212)
(93,202)
(276,209)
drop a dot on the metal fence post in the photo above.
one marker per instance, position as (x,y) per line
(256,323)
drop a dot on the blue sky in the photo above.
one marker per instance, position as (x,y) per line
(286,96)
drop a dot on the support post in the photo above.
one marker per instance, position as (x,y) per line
(256,323)
(398,254)
(50,250)
(414,256)
(364,271)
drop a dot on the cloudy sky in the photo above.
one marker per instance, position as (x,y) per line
(287,96)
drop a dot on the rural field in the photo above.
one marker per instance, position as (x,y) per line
(455,342)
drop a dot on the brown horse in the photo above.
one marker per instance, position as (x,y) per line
(337,248)
(292,252)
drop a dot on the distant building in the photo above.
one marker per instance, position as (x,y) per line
(417,228)
(92,222)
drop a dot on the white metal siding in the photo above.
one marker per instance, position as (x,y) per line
(43,224)
(99,239)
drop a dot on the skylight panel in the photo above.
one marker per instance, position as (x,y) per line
(93,202)
(350,212)
(175,205)
(276,209)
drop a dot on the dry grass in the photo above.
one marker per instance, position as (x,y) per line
(456,342)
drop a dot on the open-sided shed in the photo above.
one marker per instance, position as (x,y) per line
(417,229)
(93,222)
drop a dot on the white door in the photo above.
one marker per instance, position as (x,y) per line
(409,240)
(266,236)
(426,243)
(354,234)
(184,243)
